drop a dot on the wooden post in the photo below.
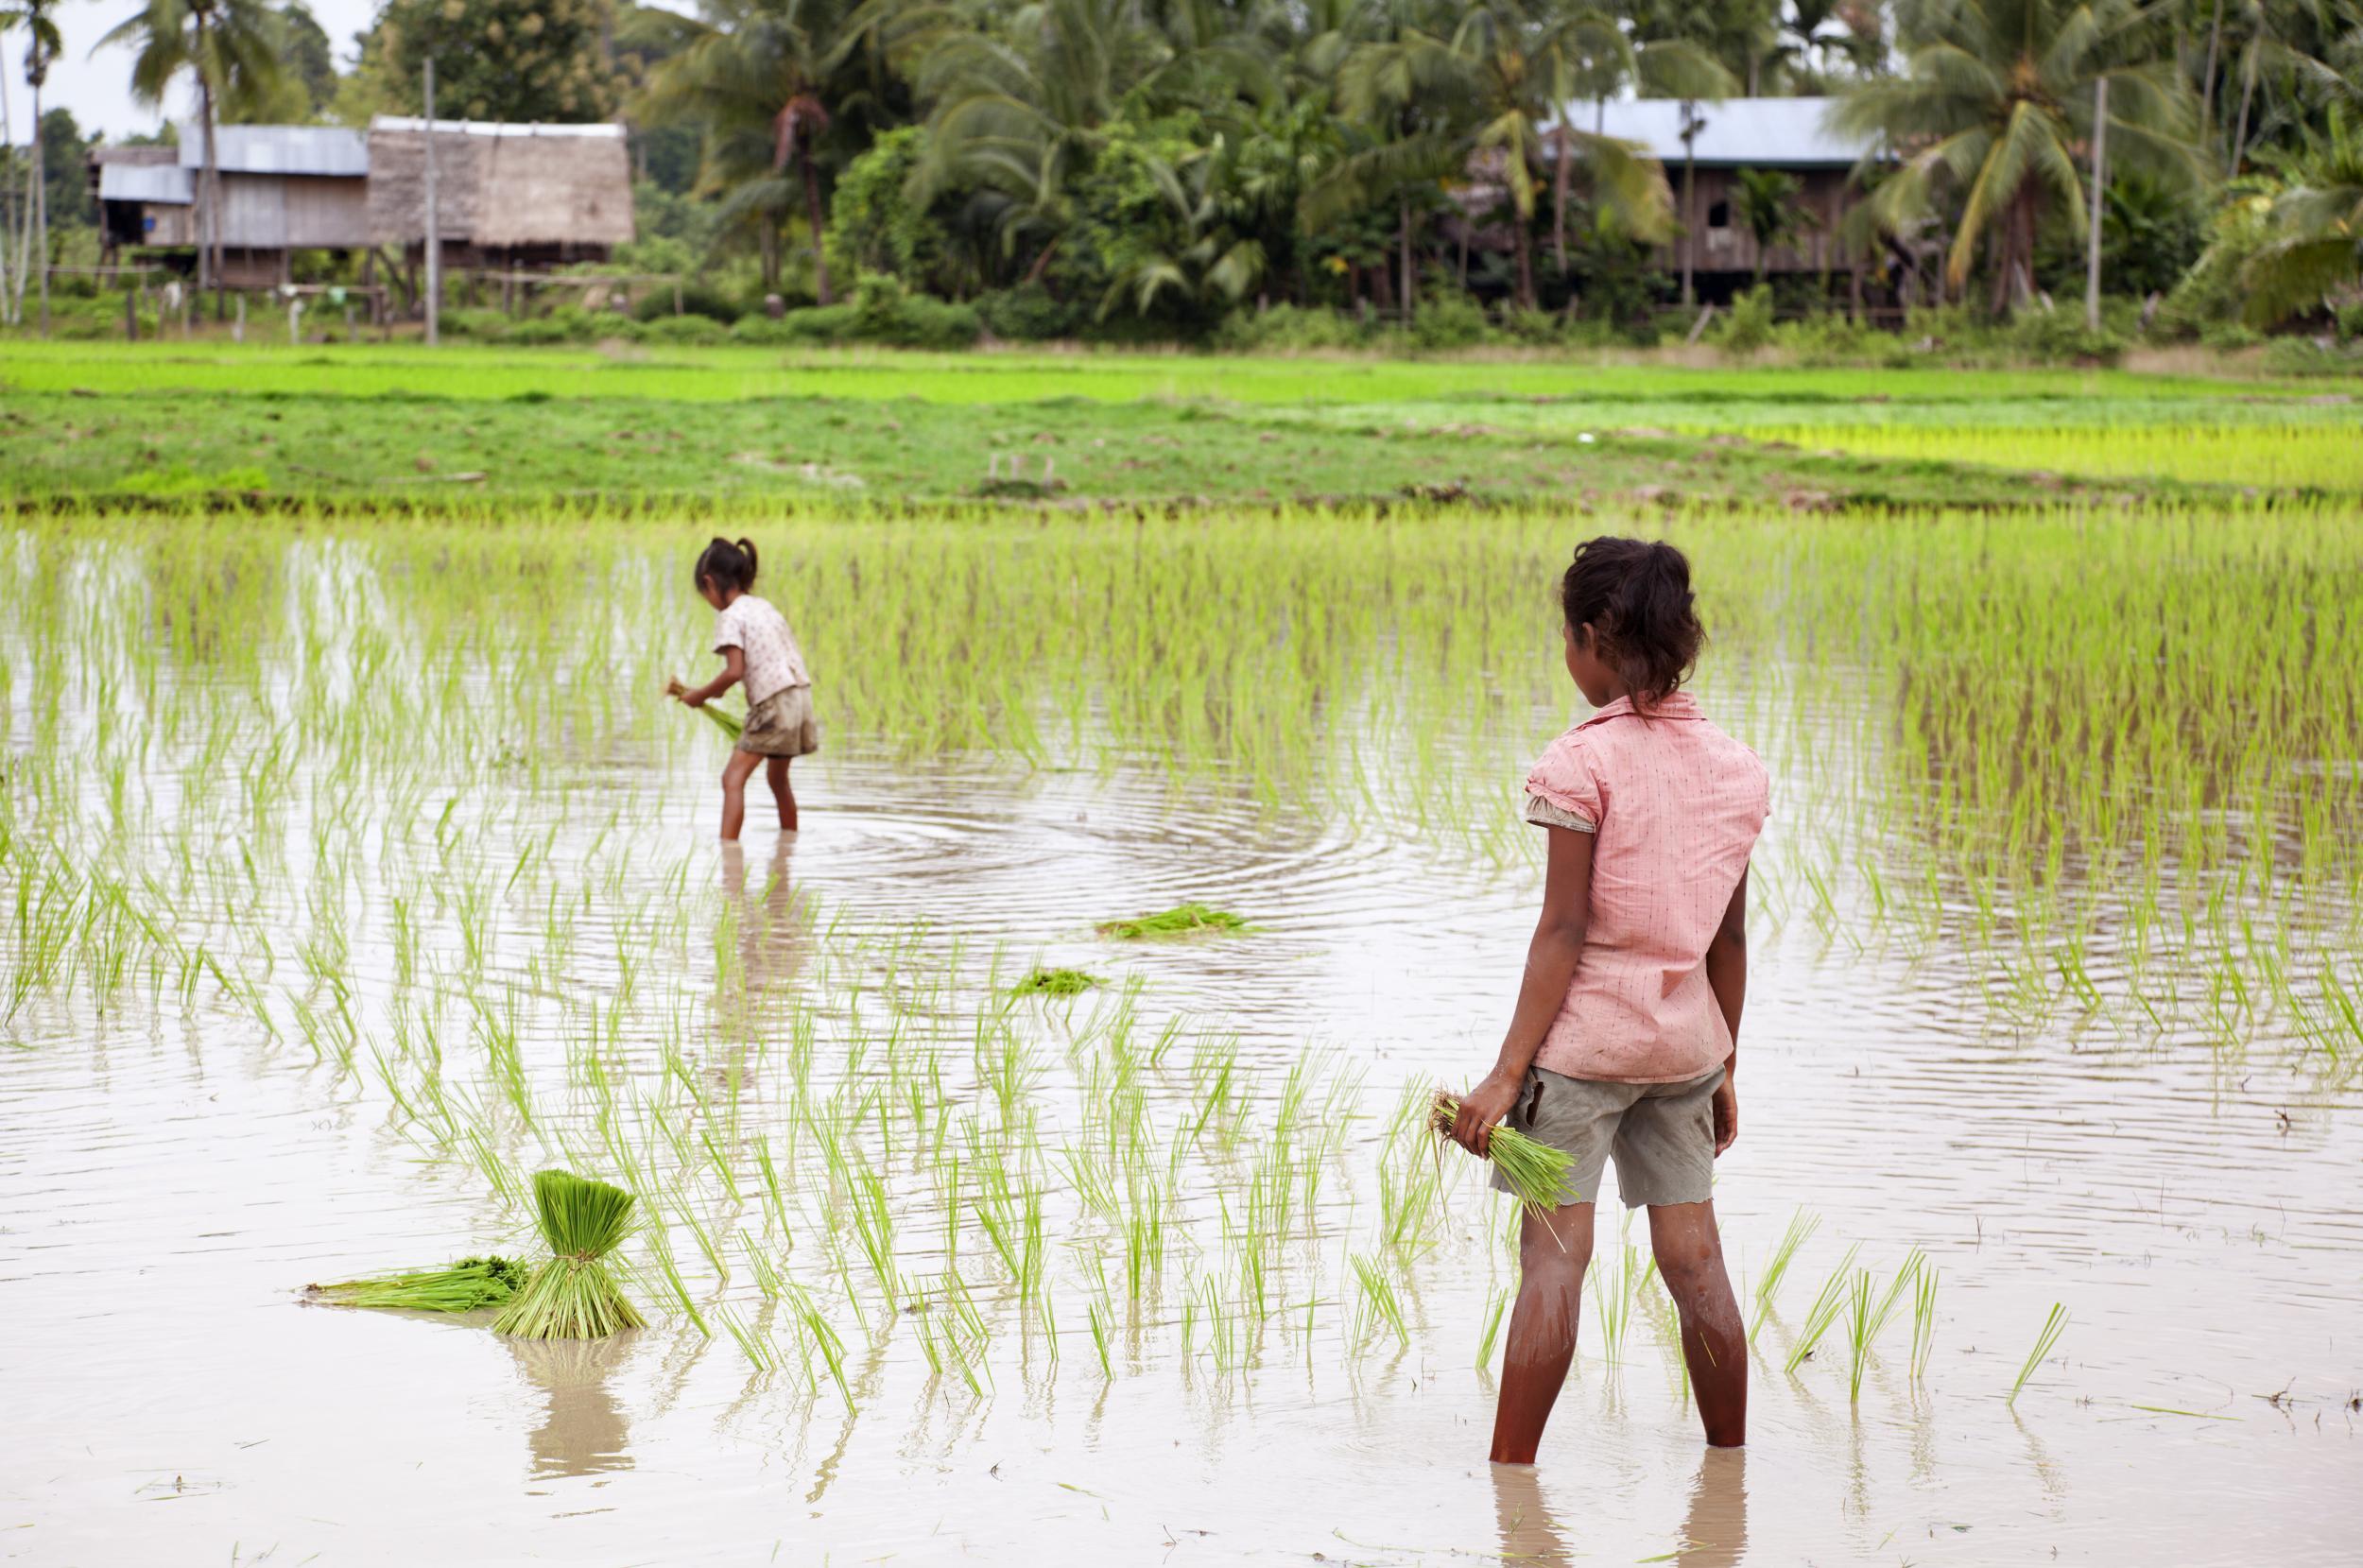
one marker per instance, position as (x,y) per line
(130,316)
(2100,184)
(434,228)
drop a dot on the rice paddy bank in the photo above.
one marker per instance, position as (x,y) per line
(410,428)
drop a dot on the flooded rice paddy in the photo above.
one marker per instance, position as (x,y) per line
(354,872)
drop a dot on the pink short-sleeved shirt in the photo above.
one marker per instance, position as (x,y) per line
(1676,804)
(774,663)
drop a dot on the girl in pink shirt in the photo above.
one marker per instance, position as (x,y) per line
(1623,1035)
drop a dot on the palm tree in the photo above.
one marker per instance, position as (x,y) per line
(232,46)
(1995,102)
(2318,226)
(1764,201)
(41,50)
(1498,84)
(767,78)
(1021,109)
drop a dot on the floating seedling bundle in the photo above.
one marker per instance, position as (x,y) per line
(729,723)
(1184,919)
(470,1284)
(574,1296)
(1536,1172)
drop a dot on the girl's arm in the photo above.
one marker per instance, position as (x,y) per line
(1727,977)
(734,671)
(1550,970)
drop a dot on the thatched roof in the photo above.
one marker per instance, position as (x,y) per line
(501,184)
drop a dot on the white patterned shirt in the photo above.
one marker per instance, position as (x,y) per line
(774,663)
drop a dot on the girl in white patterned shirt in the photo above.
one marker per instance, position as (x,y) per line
(758,649)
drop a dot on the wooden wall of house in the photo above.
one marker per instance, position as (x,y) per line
(278,210)
(1730,247)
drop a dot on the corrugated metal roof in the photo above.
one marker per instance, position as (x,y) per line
(318,149)
(168,184)
(1738,132)
(493,128)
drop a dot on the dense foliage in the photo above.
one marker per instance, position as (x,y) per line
(1243,172)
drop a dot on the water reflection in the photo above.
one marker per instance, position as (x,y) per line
(1715,1533)
(761,930)
(1529,1534)
(583,1431)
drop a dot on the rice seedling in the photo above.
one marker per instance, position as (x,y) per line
(729,723)
(1497,1305)
(573,1295)
(1923,1322)
(1801,1227)
(2054,1325)
(1536,1172)
(1182,919)
(1823,1312)
(465,1287)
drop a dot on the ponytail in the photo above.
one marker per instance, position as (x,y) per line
(727,565)
(1636,596)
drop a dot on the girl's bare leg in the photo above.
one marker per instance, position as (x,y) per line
(775,774)
(1690,1260)
(1553,1252)
(734,775)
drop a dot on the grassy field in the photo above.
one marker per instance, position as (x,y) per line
(405,426)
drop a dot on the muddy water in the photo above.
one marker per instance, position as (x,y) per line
(169,1178)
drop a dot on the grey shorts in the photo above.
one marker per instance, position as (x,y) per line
(781,725)
(1663,1134)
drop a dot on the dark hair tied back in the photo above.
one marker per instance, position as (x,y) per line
(727,565)
(1636,596)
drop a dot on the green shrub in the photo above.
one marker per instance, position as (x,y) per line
(2228,336)
(1028,314)
(884,313)
(1288,329)
(2061,336)
(1747,325)
(1830,339)
(761,329)
(1448,321)
(2304,356)
(690,330)
(2350,319)
(697,299)
(1534,327)
(478,326)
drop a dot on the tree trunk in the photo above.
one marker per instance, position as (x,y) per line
(2207,81)
(40,206)
(1410,274)
(2239,137)
(1562,174)
(1690,214)
(768,244)
(12,215)
(2100,185)
(211,174)
(812,215)
(1525,263)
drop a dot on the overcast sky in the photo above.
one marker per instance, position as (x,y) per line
(98,87)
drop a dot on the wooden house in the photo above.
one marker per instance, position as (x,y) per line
(1791,136)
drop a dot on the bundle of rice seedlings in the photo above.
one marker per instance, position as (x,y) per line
(729,723)
(1180,921)
(1537,1172)
(1053,982)
(470,1284)
(574,1296)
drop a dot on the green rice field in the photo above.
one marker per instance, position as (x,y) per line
(353,869)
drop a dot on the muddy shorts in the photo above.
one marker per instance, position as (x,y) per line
(781,725)
(1663,1134)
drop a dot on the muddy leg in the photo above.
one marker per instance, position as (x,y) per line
(775,774)
(1690,1260)
(1552,1253)
(734,775)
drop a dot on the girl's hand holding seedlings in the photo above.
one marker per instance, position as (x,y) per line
(1726,1115)
(1482,1110)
